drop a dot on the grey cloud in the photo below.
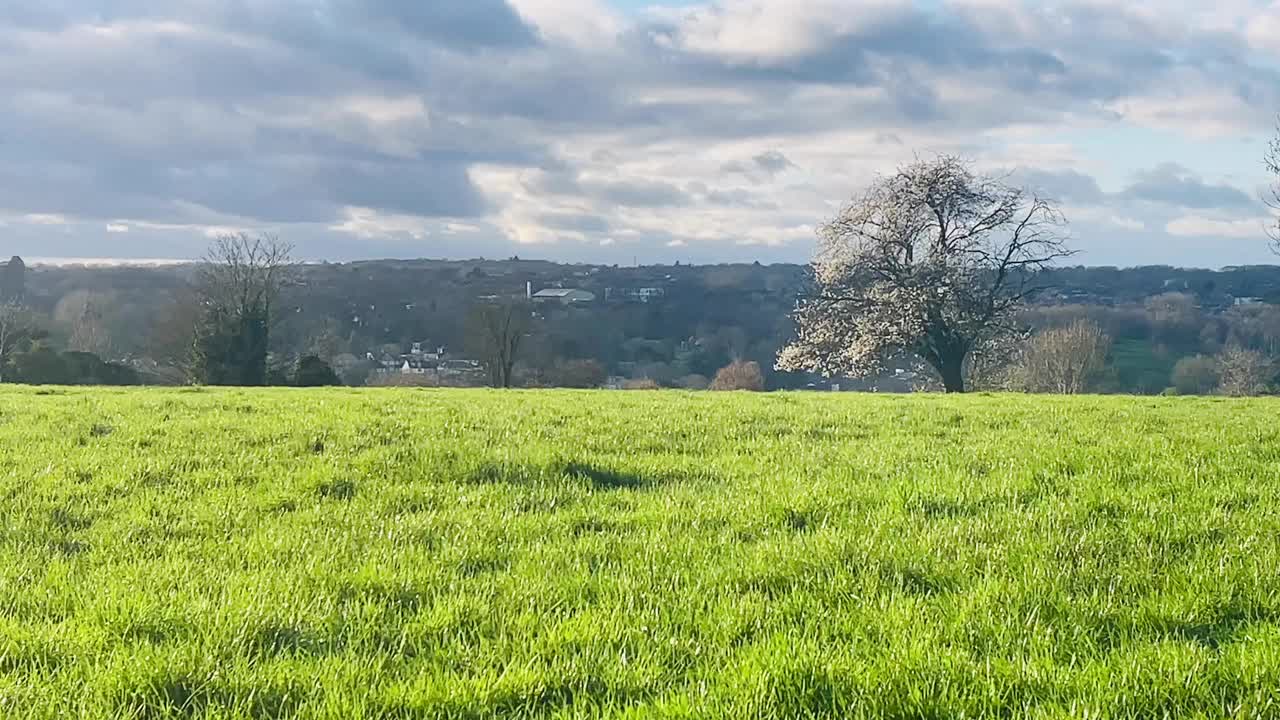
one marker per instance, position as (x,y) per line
(638,193)
(551,182)
(738,197)
(773,161)
(1062,185)
(575,222)
(457,24)
(1173,185)
(770,163)
(231,114)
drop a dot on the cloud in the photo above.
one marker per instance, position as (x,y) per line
(366,128)
(762,166)
(1066,185)
(467,25)
(582,223)
(1197,226)
(1171,184)
(637,193)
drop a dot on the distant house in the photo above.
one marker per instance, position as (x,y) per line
(564,296)
(459,367)
(1247,301)
(640,294)
(424,351)
(414,366)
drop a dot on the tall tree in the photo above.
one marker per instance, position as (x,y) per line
(495,333)
(82,314)
(238,285)
(16,326)
(1272,160)
(931,262)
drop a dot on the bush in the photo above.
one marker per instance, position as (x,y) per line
(739,375)
(1196,375)
(579,374)
(1243,372)
(1066,360)
(314,372)
(694,382)
(43,366)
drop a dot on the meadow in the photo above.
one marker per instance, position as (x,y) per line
(405,553)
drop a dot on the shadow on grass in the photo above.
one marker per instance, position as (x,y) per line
(188,697)
(1224,627)
(605,478)
(540,699)
(557,472)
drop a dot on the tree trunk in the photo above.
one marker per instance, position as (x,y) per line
(952,371)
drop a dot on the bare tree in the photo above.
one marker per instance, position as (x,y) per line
(931,262)
(495,333)
(1243,372)
(82,314)
(238,286)
(1272,161)
(170,338)
(245,273)
(1064,360)
(15,325)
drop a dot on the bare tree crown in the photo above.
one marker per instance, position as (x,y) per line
(1272,161)
(244,274)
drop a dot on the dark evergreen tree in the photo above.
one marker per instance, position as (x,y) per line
(314,372)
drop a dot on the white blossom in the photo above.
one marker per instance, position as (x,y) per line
(930,262)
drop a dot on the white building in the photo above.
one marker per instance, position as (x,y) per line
(565,296)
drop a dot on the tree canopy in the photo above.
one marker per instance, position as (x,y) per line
(930,262)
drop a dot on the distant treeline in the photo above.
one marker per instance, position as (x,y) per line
(704,318)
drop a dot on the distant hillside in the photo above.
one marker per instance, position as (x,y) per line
(672,323)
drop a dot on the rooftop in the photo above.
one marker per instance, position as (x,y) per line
(557,292)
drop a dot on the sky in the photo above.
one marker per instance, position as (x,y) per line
(621,130)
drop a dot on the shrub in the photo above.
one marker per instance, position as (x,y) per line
(739,375)
(694,382)
(1066,360)
(314,372)
(1196,375)
(579,374)
(1243,372)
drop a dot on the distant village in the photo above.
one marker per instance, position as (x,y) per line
(405,322)
(430,364)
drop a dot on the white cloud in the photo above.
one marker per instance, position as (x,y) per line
(1198,226)
(767,32)
(369,223)
(45,219)
(582,23)
(1127,223)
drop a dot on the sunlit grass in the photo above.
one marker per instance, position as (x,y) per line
(408,553)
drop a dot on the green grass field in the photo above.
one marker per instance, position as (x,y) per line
(410,553)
